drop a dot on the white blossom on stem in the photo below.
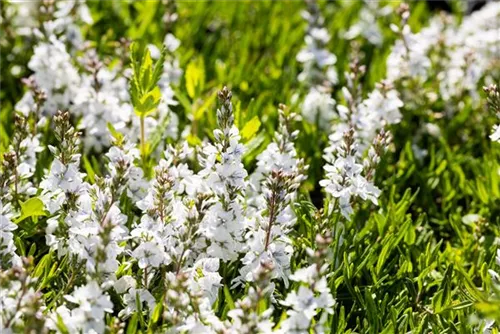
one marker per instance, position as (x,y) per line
(85,311)
(225,175)
(313,296)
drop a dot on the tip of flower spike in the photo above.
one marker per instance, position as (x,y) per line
(403,10)
(491,89)
(62,116)
(224,94)
(225,113)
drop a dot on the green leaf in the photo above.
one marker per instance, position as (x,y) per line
(193,140)
(183,99)
(132,325)
(489,309)
(137,50)
(158,68)
(32,250)
(31,208)
(144,92)
(144,13)
(20,245)
(138,305)
(88,168)
(61,326)
(116,135)
(228,297)
(146,71)
(384,254)
(148,103)
(198,114)
(43,266)
(195,77)
(157,313)
(437,301)
(251,128)
(410,235)
(446,287)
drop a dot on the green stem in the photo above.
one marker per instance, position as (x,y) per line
(146,277)
(272,218)
(143,142)
(336,233)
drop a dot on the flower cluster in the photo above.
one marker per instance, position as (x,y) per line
(74,78)
(225,176)
(274,186)
(367,24)
(246,317)
(493,94)
(409,58)
(457,54)
(358,141)
(348,176)
(89,307)
(21,305)
(7,248)
(190,223)
(118,214)
(319,73)
(313,296)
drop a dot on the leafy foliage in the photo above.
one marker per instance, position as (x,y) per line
(144,92)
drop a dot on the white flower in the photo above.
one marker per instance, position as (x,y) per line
(102,105)
(344,181)
(409,57)
(385,105)
(311,298)
(99,226)
(124,283)
(171,42)
(318,69)
(232,175)
(303,301)
(149,254)
(8,254)
(367,25)
(55,74)
(17,300)
(306,275)
(278,175)
(226,179)
(135,296)
(206,278)
(318,108)
(311,53)
(495,136)
(30,146)
(89,314)
(63,177)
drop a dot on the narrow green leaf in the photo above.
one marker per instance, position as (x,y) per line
(229,298)
(195,77)
(251,128)
(88,168)
(132,324)
(158,67)
(61,326)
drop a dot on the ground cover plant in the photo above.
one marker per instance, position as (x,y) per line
(249,167)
